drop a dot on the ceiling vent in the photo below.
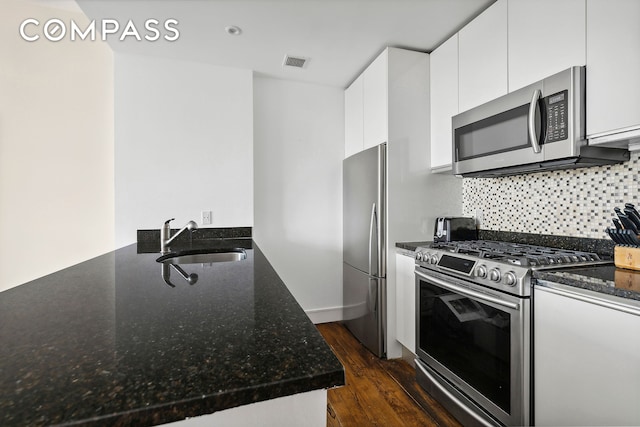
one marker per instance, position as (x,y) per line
(294,61)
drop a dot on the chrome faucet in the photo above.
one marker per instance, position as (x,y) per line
(165,234)
(166,274)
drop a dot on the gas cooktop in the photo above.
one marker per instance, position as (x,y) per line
(519,254)
(503,266)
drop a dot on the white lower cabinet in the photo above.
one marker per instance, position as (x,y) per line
(586,362)
(303,409)
(406,301)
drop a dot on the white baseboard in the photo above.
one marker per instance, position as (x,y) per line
(325,315)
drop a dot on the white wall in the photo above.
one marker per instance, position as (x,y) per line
(298,152)
(56,148)
(184,144)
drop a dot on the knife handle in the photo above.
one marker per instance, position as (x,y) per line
(631,237)
(622,237)
(634,239)
(612,235)
(616,222)
(627,223)
(633,216)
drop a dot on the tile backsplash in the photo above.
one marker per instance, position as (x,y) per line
(575,202)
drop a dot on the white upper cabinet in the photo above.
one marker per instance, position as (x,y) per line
(353,121)
(393,88)
(444,100)
(613,67)
(375,116)
(483,57)
(366,113)
(545,37)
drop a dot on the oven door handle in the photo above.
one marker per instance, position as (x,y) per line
(469,292)
(481,421)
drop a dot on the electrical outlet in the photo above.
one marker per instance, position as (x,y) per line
(479,217)
(206,217)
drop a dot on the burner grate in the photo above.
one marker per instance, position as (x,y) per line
(518,253)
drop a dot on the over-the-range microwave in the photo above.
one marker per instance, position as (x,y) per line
(539,127)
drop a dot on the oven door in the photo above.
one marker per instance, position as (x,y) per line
(473,346)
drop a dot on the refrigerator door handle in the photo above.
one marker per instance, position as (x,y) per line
(373,225)
(372,300)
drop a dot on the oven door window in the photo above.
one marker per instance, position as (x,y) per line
(469,338)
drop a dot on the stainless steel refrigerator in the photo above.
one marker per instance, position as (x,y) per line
(364,252)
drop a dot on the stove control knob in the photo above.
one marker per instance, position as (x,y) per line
(494,275)
(481,271)
(434,259)
(418,256)
(510,278)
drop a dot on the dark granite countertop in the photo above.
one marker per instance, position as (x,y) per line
(606,280)
(108,342)
(411,246)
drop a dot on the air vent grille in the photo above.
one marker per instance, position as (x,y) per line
(294,61)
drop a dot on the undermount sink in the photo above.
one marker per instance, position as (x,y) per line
(205,256)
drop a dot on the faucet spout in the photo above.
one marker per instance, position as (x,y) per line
(165,234)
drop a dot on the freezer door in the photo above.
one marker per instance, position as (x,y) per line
(363,204)
(364,304)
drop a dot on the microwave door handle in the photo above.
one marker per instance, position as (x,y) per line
(532,121)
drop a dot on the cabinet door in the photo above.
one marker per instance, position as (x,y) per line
(444,101)
(406,301)
(483,57)
(353,118)
(613,65)
(545,37)
(375,102)
(586,363)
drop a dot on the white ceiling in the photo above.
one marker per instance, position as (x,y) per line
(340,37)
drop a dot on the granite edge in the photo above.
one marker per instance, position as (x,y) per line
(412,246)
(601,288)
(208,405)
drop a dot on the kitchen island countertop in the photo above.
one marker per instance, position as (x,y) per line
(110,342)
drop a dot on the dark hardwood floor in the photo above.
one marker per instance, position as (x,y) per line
(377,392)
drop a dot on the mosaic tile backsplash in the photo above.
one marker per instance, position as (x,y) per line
(576,203)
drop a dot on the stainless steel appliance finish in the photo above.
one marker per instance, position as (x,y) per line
(473,325)
(539,127)
(364,253)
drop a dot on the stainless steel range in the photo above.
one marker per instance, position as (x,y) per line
(474,325)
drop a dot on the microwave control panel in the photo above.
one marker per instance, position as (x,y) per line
(557,107)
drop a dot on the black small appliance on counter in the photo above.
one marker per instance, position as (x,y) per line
(449,229)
